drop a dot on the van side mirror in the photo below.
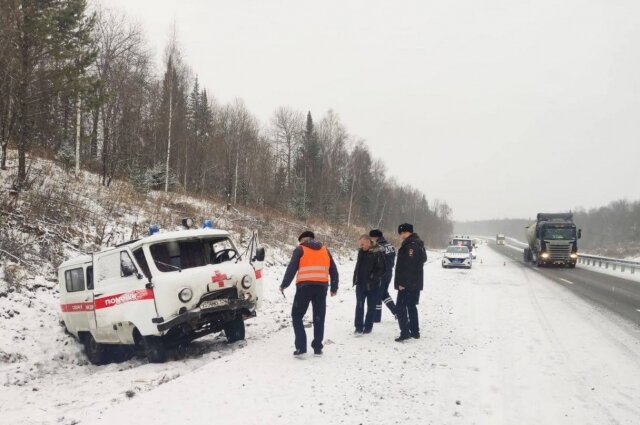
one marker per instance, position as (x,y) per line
(128,271)
(260,254)
(579,233)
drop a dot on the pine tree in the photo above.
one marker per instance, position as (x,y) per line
(52,39)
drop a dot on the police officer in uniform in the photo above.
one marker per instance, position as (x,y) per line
(312,266)
(367,275)
(409,281)
(390,259)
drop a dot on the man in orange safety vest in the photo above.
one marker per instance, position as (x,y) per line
(313,267)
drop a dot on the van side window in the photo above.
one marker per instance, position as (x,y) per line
(127,268)
(90,277)
(142,261)
(74,280)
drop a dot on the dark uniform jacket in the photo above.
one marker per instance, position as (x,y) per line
(390,259)
(370,267)
(409,266)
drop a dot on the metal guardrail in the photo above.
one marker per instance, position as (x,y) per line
(607,262)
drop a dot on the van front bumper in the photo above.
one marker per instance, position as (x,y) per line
(198,315)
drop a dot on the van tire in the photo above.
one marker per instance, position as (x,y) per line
(98,354)
(234,330)
(154,349)
(122,353)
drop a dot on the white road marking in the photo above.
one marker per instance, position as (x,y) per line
(638,310)
(568,281)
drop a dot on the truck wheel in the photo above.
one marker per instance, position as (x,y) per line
(234,330)
(154,349)
(98,354)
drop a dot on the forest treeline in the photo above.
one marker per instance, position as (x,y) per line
(612,230)
(81,86)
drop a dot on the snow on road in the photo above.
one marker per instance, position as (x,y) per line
(500,345)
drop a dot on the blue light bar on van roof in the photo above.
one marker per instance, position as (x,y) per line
(153,229)
(207,224)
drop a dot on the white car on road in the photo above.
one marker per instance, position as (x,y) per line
(457,256)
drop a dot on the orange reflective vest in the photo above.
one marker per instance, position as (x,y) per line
(314,265)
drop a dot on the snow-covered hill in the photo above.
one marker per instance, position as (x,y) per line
(61,217)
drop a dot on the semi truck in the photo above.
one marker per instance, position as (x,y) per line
(553,240)
(500,239)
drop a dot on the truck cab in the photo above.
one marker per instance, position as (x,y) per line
(553,240)
(500,239)
(162,290)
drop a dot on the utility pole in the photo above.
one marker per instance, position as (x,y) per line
(166,177)
(353,183)
(78,133)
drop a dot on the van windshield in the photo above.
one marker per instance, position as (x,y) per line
(183,254)
(462,242)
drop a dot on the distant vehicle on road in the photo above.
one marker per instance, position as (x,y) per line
(464,241)
(553,240)
(457,256)
(500,239)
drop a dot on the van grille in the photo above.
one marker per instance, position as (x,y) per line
(229,293)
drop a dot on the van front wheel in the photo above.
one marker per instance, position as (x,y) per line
(97,353)
(234,330)
(154,349)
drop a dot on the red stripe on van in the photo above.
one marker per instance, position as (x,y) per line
(76,307)
(127,297)
(259,274)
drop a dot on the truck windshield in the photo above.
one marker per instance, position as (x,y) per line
(458,250)
(559,234)
(183,254)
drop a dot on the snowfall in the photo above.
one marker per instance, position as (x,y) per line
(500,345)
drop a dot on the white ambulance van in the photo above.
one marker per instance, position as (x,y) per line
(163,290)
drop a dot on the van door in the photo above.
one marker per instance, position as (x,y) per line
(77,305)
(120,294)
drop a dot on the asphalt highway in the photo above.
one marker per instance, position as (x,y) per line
(617,294)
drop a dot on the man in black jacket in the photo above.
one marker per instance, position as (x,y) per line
(369,270)
(390,259)
(409,281)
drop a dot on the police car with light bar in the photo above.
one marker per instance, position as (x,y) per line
(163,290)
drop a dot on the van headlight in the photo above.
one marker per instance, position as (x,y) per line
(185,295)
(246,282)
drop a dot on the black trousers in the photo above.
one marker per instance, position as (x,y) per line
(370,298)
(407,311)
(385,298)
(316,295)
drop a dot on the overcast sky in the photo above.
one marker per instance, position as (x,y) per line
(502,108)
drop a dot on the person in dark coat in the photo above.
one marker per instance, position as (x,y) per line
(409,281)
(313,267)
(390,259)
(370,268)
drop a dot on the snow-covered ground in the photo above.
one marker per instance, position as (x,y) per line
(44,374)
(500,345)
